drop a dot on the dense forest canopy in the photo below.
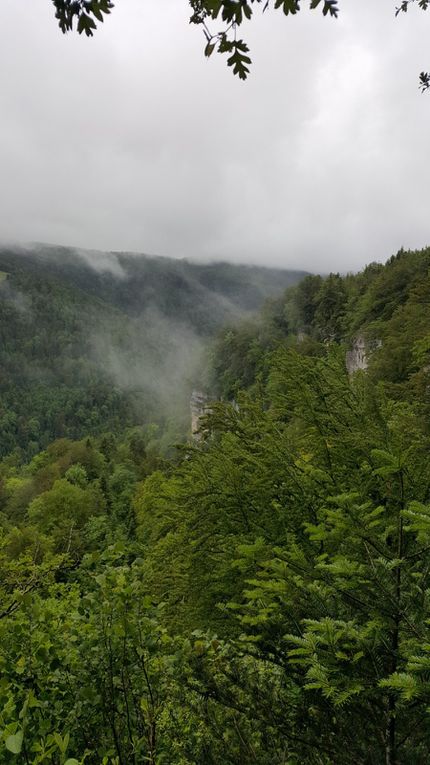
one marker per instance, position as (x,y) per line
(262,596)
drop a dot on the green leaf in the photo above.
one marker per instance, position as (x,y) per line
(14,743)
(95,8)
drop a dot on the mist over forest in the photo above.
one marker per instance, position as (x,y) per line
(240,581)
(91,339)
(215,387)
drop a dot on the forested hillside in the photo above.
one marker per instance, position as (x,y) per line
(385,307)
(263,596)
(92,342)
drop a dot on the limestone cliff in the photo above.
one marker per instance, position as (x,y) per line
(199,407)
(361,350)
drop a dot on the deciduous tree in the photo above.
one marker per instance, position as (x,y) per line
(84,15)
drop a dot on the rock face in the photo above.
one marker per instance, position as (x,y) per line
(358,357)
(199,407)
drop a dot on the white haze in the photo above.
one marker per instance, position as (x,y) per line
(133,141)
(158,355)
(102,262)
(17,299)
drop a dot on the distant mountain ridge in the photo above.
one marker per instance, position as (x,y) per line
(205,294)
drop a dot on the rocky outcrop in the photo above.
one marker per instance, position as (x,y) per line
(199,407)
(358,357)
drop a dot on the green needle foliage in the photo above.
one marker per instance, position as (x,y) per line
(263,597)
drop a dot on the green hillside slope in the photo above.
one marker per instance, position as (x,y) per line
(385,307)
(260,597)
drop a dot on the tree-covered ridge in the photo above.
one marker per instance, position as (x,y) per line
(385,305)
(178,287)
(261,598)
(95,342)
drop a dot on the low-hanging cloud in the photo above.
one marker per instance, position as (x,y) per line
(133,141)
(155,355)
(20,302)
(102,262)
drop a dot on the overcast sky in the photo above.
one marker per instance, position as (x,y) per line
(132,140)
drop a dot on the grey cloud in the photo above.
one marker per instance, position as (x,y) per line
(133,141)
